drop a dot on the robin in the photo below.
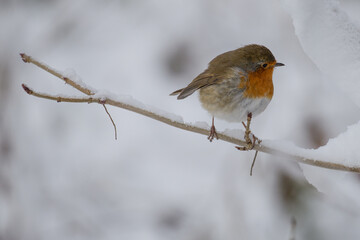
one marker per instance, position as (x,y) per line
(236,86)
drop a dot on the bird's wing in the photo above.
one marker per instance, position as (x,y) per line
(203,80)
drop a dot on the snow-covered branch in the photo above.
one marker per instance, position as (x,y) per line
(281,149)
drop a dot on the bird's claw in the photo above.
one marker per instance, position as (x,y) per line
(213,134)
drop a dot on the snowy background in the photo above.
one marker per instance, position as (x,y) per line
(63,176)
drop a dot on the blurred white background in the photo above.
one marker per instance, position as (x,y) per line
(63,176)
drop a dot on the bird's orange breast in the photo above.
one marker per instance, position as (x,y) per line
(259,84)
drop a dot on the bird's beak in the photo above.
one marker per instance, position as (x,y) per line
(279,64)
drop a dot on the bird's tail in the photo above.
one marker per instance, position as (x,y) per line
(177,92)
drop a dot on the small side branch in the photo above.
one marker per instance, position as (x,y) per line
(92,98)
(28,59)
(59,98)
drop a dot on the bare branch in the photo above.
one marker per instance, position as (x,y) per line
(169,121)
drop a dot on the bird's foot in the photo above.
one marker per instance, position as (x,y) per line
(213,134)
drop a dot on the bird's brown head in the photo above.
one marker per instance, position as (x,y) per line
(252,57)
(249,58)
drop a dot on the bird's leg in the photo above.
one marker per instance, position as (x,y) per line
(213,132)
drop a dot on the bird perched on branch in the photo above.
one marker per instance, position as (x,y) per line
(236,86)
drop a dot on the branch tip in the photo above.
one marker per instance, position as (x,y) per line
(27,89)
(24,57)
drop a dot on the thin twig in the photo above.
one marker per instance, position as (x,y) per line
(111,120)
(178,124)
(255,139)
(253,162)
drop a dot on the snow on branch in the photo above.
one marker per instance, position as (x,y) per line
(281,149)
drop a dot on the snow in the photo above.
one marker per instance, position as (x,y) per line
(63,176)
(343,149)
(200,124)
(331,40)
(71,74)
(236,133)
(330,37)
(129,100)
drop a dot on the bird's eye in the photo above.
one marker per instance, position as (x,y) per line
(264,65)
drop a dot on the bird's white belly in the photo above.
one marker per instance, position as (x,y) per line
(238,111)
